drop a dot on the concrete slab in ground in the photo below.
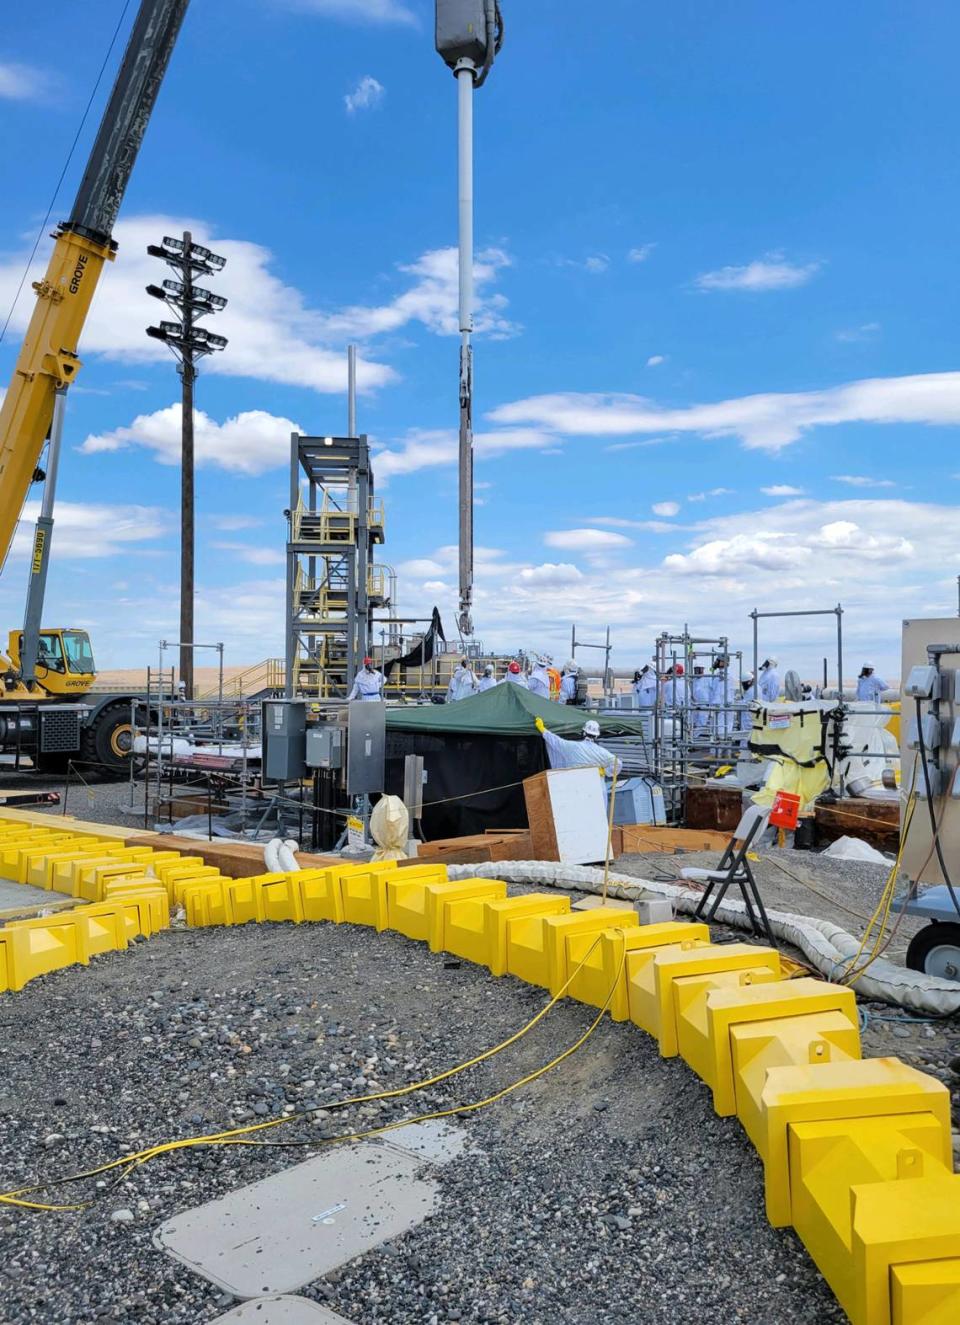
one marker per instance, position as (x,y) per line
(281,1310)
(20,894)
(435,1140)
(278,1234)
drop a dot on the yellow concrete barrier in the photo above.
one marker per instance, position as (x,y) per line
(499,913)
(177,882)
(204,902)
(438,893)
(862,1089)
(759,1046)
(104,931)
(126,909)
(846,1168)
(320,896)
(64,874)
(926,1293)
(36,947)
(709,1006)
(11,847)
(364,890)
(602,961)
(652,976)
(244,897)
(144,889)
(90,875)
(33,858)
(412,901)
(40,873)
(536,944)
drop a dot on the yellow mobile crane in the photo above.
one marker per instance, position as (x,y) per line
(47,672)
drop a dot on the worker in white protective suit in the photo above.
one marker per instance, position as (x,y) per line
(645,686)
(673,687)
(869,686)
(722,696)
(462,683)
(488,680)
(539,679)
(768,682)
(701,699)
(585,753)
(515,675)
(367,684)
(568,683)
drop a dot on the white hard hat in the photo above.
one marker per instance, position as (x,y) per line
(870,666)
(489,668)
(591,728)
(771,661)
(570,666)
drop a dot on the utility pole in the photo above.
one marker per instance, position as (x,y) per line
(469,34)
(188,343)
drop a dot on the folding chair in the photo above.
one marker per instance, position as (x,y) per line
(733,867)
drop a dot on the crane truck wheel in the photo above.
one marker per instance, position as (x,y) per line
(106,744)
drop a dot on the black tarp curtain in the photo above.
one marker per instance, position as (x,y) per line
(460,767)
(421,654)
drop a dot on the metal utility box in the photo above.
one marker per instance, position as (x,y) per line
(461,31)
(284,739)
(324,746)
(919,858)
(366,748)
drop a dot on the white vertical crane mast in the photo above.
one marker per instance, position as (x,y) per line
(469,35)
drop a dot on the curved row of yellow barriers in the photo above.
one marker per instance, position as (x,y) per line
(857,1153)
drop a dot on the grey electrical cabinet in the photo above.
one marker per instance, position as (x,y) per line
(366,748)
(284,739)
(324,746)
(461,31)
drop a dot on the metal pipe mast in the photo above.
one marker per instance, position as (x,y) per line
(469,34)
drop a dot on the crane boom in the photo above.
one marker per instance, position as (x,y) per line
(48,360)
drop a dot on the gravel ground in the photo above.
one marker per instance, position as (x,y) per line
(607,1190)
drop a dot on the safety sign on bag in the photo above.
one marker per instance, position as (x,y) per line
(355,836)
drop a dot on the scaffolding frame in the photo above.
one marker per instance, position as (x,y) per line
(332,582)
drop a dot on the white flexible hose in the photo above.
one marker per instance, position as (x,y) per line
(288,860)
(271,856)
(825,945)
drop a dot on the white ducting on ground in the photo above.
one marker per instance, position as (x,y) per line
(827,947)
(278,856)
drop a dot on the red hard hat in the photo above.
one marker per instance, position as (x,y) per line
(366,661)
(678,669)
(514,667)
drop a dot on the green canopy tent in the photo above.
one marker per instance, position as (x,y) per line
(478,751)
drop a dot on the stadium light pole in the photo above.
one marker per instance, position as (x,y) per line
(188,342)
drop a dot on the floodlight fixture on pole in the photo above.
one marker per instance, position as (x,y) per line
(188,342)
(469,34)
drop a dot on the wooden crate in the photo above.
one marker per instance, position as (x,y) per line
(715,808)
(643,839)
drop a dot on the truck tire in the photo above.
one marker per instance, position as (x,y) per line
(105,744)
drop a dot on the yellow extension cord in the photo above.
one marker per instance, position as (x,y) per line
(851,975)
(237,1136)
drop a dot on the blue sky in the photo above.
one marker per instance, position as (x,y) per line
(717,279)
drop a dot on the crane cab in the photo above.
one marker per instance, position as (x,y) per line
(65,664)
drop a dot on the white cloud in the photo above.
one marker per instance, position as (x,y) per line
(771,272)
(585,540)
(274,334)
(432,300)
(650,526)
(633,446)
(22,82)
(866,331)
(782,490)
(596,263)
(711,492)
(367,95)
(232,523)
(252,555)
(85,530)
(656,360)
(364,11)
(640,253)
(550,574)
(248,443)
(863,481)
(762,422)
(666,508)
(424,448)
